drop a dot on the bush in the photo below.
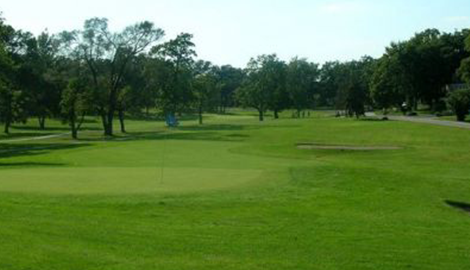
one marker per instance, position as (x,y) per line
(459,102)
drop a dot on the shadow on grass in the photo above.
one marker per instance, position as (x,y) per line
(23,135)
(373,120)
(51,129)
(183,136)
(220,127)
(18,150)
(29,164)
(459,205)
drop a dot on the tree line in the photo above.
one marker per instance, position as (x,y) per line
(111,75)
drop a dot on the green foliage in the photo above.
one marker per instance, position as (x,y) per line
(464,69)
(12,105)
(301,82)
(459,101)
(264,87)
(388,87)
(421,67)
(177,58)
(76,103)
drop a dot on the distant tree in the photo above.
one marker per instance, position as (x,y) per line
(157,75)
(76,103)
(229,79)
(464,69)
(355,99)
(205,86)
(354,93)
(13,99)
(301,80)
(178,54)
(388,87)
(264,85)
(330,80)
(108,55)
(37,73)
(12,105)
(459,101)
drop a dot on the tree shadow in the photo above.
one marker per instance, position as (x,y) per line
(18,150)
(183,136)
(32,128)
(30,164)
(22,135)
(459,205)
(220,127)
(50,129)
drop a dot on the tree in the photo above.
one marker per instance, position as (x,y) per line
(229,79)
(459,101)
(12,99)
(464,69)
(204,86)
(12,105)
(261,83)
(178,54)
(353,94)
(301,79)
(108,56)
(330,79)
(76,100)
(37,76)
(387,84)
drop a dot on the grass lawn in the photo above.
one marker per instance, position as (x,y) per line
(236,194)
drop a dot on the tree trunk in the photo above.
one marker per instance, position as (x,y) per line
(261,115)
(104,122)
(74,130)
(200,115)
(109,123)
(42,122)
(276,114)
(73,126)
(121,121)
(7,126)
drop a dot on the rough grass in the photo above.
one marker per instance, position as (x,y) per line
(237,194)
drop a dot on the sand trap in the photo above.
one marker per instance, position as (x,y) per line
(315,146)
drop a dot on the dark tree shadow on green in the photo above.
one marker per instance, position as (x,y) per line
(20,150)
(459,205)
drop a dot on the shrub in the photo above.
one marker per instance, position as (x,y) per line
(459,102)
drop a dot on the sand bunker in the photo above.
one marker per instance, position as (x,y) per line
(315,146)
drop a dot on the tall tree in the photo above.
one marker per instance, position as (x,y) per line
(76,103)
(388,87)
(302,77)
(205,86)
(258,90)
(37,76)
(13,99)
(179,53)
(108,56)
(229,79)
(464,69)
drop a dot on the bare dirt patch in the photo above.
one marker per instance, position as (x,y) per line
(316,146)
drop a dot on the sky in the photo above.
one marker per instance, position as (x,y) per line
(233,31)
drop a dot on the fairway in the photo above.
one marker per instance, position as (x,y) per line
(238,194)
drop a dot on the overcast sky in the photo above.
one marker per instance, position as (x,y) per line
(233,31)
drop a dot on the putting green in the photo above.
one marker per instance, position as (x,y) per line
(123,180)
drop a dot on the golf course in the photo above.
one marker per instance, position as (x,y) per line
(236,193)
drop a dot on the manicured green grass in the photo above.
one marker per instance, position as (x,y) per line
(237,194)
